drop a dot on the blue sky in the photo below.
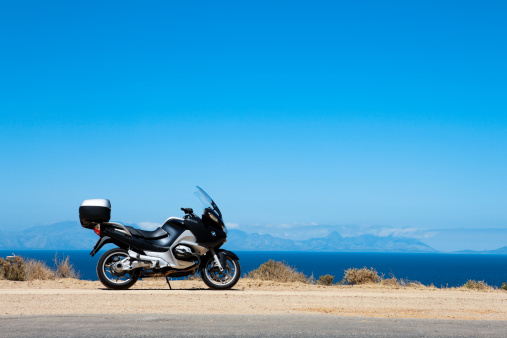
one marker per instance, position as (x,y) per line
(332,113)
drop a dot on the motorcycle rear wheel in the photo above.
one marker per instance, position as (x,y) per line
(109,277)
(221,280)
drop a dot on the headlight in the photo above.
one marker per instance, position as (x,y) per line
(218,221)
(213,217)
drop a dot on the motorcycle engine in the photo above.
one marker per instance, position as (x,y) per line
(183,252)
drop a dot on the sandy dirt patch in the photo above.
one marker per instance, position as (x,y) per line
(69,296)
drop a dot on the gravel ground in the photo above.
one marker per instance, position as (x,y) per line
(69,296)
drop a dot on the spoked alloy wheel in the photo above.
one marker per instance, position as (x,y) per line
(111,275)
(216,279)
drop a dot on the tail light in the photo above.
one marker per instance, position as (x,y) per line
(97,229)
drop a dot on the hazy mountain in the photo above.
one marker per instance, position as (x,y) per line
(500,251)
(241,241)
(71,236)
(368,243)
(58,236)
(441,239)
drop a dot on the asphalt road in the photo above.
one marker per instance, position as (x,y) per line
(280,325)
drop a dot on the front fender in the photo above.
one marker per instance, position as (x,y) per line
(227,253)
(221,256)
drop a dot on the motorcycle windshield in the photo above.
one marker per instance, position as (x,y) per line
(206,200)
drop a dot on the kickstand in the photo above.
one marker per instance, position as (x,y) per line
(167,280)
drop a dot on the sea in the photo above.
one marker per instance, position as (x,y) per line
(447,270)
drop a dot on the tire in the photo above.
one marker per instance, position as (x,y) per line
(212,277)
(111,279)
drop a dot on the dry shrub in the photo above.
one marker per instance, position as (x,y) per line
(64,268)
(393,281)
(504,286)
(13,268)
(35,269)
(19,269)
(278,272)
(477,285)
(354,276)
(326,280)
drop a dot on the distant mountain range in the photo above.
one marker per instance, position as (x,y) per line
(239,240)
(500,251)
(58,236)
(71,236)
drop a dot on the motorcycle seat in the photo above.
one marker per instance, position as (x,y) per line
(155,234)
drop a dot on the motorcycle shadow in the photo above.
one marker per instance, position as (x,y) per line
(174,289)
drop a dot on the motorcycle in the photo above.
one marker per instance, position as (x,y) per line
(181,247)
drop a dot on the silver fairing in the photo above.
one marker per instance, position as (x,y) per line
(167,259)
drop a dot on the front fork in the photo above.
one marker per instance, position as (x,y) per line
(217,261)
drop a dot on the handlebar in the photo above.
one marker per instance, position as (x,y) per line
(187,210)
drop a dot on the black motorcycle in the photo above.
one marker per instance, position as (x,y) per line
(181,247)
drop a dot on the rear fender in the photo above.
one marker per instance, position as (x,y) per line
(103,241)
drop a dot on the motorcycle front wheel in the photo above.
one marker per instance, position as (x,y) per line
(110,275)
(221,280)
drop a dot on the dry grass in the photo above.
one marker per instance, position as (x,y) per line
(278,272)
(326,280)
(65,269)
(35,269)
(354,276)
(281,272)
(393,281)
(477,285)
(20,269)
